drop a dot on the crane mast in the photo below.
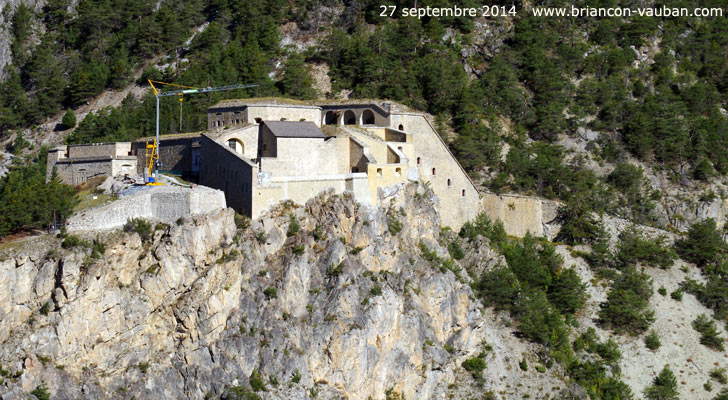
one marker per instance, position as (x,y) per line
(153,148)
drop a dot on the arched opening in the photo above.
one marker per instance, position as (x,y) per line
(434,172)
(367,117)
(283,119)
(349,118)
(379,172)
(463,193)
(449,182)
(400,127)
(418,161)
(235,145)
(302,119)
(398,171)
(258,120)
(330,118)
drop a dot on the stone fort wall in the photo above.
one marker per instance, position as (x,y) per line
(158,203)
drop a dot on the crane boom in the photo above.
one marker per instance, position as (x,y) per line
(202,90)
(153,166)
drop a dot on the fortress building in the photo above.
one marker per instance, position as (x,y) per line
(75,164)
(260,152)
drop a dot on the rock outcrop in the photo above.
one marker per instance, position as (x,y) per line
(331,298)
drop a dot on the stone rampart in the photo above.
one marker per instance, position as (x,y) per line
(160,204)
(522,214)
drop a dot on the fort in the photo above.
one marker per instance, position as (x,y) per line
(262,151)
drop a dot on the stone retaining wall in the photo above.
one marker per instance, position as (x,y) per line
(160,204)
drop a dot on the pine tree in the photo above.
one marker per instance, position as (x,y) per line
(297,81)
(664,387)
(69,119)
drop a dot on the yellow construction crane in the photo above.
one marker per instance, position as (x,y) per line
(153,148)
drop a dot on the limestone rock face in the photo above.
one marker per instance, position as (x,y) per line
(343,306)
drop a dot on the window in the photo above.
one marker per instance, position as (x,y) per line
(449,182)
(399,148)
(283,119)
(232,144)
(434,172)
(400,127)
(258,120)
(302,119)
(463,193)
(379,172)
(398,171)
(418,161)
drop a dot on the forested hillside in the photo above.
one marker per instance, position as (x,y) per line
(651,86)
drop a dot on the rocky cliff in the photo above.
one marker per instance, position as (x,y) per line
(6,12)
(330,299)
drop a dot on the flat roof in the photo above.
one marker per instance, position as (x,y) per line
(294,129)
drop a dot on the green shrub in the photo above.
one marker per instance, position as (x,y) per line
(317,233)
(723,395)
(709,335)
(587,341)
(542,323)
(625,310)
(718,374)
(261,237)
(703,170)
(143,367)
(376,290)
(241,221)
(652,341)
(97,249)
(662,291)
(41,392)
(609,351)
(499,288)
(567,292)
(592,376)
(578,225)
(140,226)
(677,294)
(476,365)
(293,226)
(256,382)
(71,241)
(45,308)
(455,250)
(69,119)
(335,270)
(298,250)
(702,243)
(633,248)
(296,378)
(664,387)
(523,364)
(271,293)
(239,393)
(393,224)
(483,226)
(533,263)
